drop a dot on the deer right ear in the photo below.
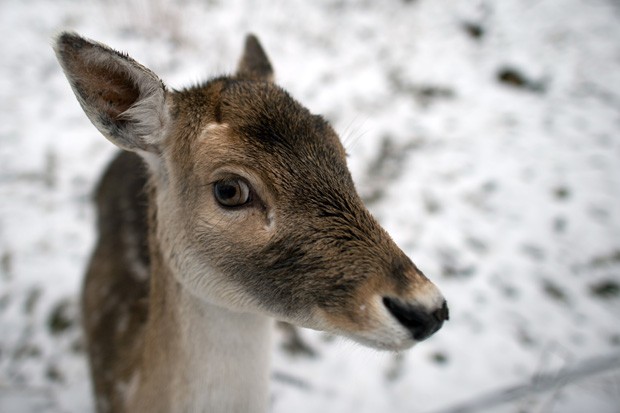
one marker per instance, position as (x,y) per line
(122,98)
(254,64)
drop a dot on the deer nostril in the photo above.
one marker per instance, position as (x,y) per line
(419,321)
(442,314)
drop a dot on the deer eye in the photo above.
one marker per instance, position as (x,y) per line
(231,192)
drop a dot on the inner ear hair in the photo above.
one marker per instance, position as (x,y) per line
(123,99)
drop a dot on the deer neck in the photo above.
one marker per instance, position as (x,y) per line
(199,357)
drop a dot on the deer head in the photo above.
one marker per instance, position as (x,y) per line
(256,210)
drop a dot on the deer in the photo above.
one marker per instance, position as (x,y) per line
(229,206)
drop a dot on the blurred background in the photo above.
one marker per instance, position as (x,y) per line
(483,135)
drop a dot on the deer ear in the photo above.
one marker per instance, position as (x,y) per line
(254,64)
(122,98)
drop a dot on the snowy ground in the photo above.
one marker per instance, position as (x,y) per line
(484,135)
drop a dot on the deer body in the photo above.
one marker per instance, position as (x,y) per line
(232,207)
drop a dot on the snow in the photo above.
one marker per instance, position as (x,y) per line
(506,193)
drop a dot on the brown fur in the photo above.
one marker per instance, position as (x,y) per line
(115,297)
(303,249)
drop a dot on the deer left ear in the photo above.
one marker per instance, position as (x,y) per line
(254,64)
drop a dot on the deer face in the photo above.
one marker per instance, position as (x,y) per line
(277,225)
(256,209)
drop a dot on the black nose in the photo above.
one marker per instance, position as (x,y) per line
(416,319)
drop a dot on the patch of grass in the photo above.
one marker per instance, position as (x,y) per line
(386,167)
(474,30)
(62,318)
(607,259)
(439,357)
(424,95)
(513,77)
(554,291)
(561,193)
(6,264)
(53,373)
(605,289)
